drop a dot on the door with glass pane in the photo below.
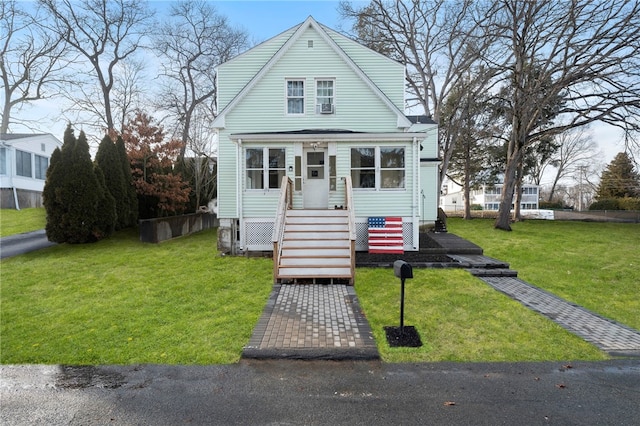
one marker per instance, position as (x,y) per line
(315,180)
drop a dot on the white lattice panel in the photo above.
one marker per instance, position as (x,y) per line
(258,235)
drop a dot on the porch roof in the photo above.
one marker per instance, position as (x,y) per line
(320,135)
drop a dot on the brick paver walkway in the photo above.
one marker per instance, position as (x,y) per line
(312,321)
(606,334)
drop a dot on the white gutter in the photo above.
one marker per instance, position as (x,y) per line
(416,193)
(325,137)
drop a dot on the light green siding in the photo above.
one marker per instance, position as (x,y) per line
(368,98)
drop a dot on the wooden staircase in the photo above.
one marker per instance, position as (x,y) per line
(316,248)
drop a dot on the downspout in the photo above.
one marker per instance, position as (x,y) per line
(12,161)
(416,190)
(239,177)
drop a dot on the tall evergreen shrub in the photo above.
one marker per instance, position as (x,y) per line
(131,195)
(109,163)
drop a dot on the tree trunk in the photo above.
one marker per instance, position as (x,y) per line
(503,221)
(517,216)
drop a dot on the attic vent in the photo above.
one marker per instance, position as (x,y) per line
(310,44)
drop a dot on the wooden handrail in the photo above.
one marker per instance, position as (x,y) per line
(348,195)
(285,202)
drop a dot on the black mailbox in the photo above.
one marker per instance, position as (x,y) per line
(402,269)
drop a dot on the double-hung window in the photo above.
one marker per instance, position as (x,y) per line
(265,165)
(363,168)
(324,96)
(295,97)
(41,167)
(378,167)
(23,164)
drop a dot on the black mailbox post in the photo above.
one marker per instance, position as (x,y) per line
(402,270)
(402,337)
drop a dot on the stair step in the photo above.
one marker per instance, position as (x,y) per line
(317,213)
(331,235)
(316,252)
(324,227)
(316,262)
(315,244)
(493,272)
(311,220)
(316,273)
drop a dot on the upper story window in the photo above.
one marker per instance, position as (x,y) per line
(530,190)
(41,167)
(259,171)
(23,164)
(295,96)
(325,97)
(378,168)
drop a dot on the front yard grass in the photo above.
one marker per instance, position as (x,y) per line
(19,221)
(120,301)
(596,265)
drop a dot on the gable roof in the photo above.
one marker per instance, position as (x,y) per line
(402,120)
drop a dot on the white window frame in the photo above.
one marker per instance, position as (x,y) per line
(287,97)
(332,97)
(20,166)
(266,168)
(40,171)
(378,169)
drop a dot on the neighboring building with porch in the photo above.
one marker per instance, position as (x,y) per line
(313,139)
(24,160)
(487,197)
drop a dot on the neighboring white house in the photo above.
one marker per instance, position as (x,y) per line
(488,197)
(316,106)
(24,159)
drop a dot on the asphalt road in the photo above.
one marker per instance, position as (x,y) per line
(14,245)
(324,393)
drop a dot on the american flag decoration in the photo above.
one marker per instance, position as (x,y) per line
(385,235)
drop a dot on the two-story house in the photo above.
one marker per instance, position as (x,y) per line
(311,123)
(24,159)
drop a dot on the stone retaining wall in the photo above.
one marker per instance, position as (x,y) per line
(165,228)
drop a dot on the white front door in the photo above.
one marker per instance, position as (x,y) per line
(315,179)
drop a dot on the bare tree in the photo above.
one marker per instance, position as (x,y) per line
(30,59)
(585,52)
(192,43)
(577,151)
(106,33)
(439,41)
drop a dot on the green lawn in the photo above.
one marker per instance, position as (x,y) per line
(596,265)
(120,301)
(19,221)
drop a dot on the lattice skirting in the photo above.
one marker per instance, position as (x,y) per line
(257,234)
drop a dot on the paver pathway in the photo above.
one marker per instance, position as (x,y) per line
(312,321)
(608,335)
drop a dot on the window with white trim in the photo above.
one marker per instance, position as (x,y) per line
(259,171)
(324,97)
(378,168)
(23,163)
(295,97)
(42,163)
(363,168)
(3,161)
(392,168)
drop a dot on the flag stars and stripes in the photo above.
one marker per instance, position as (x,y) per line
(385,235)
